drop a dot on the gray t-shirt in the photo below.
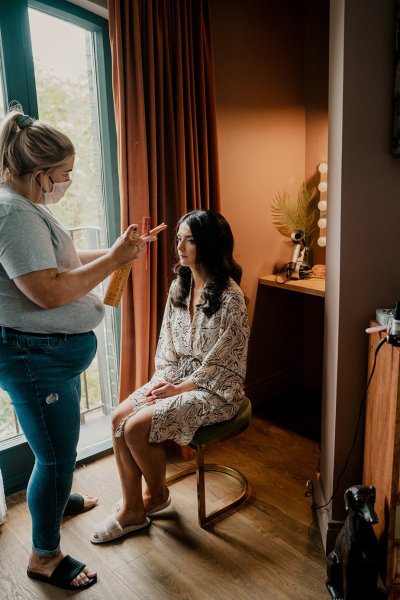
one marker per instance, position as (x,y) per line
(31,239)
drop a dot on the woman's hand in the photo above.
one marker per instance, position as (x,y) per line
(128,246)
(165,389)
(162,389)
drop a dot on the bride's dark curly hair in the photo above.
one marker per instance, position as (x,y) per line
(214,253)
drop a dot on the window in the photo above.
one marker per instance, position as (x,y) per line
(2,94)
(57,66)
(8,422)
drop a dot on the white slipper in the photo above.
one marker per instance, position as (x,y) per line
(156,509)
(159,507)
(110,529)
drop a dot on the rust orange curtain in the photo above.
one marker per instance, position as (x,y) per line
(164,95)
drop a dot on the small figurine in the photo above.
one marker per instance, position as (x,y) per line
(352,567)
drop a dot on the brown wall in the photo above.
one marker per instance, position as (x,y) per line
(316,75)
(272,117)
(261,122)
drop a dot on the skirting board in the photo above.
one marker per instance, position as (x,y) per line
(329,529)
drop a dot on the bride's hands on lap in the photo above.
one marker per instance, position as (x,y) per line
(165,389)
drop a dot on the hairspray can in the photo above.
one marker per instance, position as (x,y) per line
(117,285)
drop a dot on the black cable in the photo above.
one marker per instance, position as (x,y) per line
(316,506)
(304,271)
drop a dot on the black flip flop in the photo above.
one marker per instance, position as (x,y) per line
(63,574)
(75,505)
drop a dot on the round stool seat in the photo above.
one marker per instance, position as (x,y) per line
(204,437)
(212,434)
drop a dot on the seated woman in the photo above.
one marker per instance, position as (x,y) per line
(200,367)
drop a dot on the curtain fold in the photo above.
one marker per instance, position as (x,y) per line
(163,86)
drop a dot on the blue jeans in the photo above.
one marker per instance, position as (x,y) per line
(41,374)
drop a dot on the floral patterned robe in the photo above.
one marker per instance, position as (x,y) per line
(212,353)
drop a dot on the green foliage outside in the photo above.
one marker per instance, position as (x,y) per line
(67,105)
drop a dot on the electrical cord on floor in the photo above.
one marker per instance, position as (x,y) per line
(318,506)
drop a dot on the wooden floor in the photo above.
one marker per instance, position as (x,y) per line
(270,549)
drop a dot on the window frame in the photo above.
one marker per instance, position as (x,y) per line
(18,78)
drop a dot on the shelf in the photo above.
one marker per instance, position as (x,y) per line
(314,287)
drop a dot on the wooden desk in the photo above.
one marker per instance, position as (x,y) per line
(284,370)
(314,287)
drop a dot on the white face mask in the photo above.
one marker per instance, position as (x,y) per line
(58,191)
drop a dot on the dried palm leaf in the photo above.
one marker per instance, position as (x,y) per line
(301,213)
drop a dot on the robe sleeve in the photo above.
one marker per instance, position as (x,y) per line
(166,359)
(223,369)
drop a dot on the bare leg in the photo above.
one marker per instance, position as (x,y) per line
(150,458)
(132,511)
(136,456)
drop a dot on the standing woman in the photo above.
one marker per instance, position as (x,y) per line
(47,316)
(200,367)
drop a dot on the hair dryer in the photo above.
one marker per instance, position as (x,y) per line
(298,239)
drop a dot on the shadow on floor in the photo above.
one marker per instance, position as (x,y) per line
(297,410)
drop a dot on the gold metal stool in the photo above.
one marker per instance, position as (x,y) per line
(208,436)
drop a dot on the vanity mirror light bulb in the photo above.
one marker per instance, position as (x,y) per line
(323,167)
(322,186)
(322,223)
(322,205)
(322,241)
